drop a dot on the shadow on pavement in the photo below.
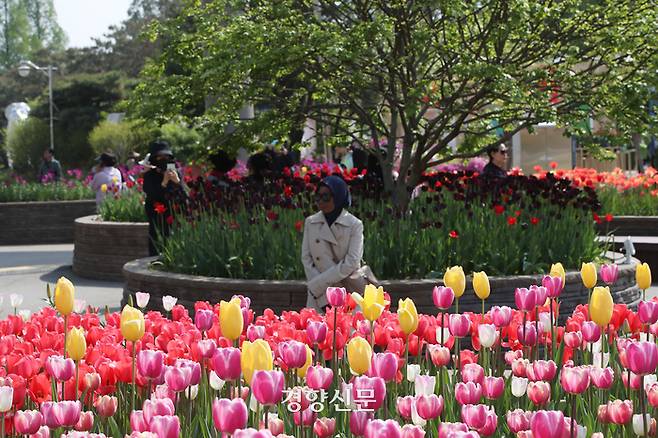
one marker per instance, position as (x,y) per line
(66,271)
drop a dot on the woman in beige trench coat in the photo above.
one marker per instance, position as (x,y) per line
(332,248)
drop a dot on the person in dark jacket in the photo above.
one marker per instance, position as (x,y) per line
(497,165)
(162,186)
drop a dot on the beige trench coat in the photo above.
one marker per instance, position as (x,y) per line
(325,268)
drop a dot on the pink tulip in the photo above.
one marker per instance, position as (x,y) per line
(553,285)
(48,410)
(316,332)
(359,420)
(165,426)
(602,378)
(59,368)
(620,412)
(468,393)
(267,386)
(275,425)
(642,357)
(573,339)
(363,328)
(324,427)
(150,363)
(106,406)
(493,387)
(539,392)
(85,422)
(471,434)
(635,383)
(472,372)
(520,367)
(547,424)
(229,415)
(575,380)
(305,418)
(447,429)
(411,431)
(541,370)
(203,319)
(319,378)
(609,273)
(647,311)
(403,406)
(439,355)
(226,362)
(293,353)
(512,355)
(490,424)
(383,429)
(541,293)
(194,367)
(459,325)
(429,407)
(525,299)
(137,422)
(27,422)
(475,416)
(518,420)
(178,378)
(384,365)
(43,432)
(336,296)
(591,331)
(501,316)
(255,332)
(369,392)
(207,348)
(602,414)
(443,297)
(597,435)
(157,406)
(527,337)
(67,412)
(252,433)
(652,394)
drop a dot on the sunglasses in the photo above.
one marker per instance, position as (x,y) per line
(323,197)
(504,152)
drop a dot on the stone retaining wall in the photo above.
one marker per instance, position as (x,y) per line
(291,295)
(102,248)
(32,223)
(631,226)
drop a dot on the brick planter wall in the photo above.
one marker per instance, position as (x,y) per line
(291,295)
(102,248)
(32,223)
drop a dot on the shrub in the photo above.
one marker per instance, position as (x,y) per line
(120,138)
(27,141)
(28,192)
(126,206)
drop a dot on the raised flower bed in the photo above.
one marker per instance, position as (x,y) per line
(102,247)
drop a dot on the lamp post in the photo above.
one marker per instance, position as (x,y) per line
(24,70)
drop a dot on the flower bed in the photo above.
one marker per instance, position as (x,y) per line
(102,248)
(375,373)
(291,295)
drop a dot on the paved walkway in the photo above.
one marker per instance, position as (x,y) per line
(26,270)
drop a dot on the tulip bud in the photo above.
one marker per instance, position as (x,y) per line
(643,276)
(601,306)
(76,344)
(64,296)
(481,285)
(588,275)
(132,323)
(455,279)
(359,355)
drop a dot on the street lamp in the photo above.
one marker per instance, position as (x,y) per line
(24,70)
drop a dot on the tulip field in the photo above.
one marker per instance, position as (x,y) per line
(360,370)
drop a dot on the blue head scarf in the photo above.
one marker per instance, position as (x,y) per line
(341,194)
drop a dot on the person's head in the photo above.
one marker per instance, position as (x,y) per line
(259,163)
(498,155)
(341,150)
(107,159)
(332,193)
(48,154)
(160,154)
(222,162)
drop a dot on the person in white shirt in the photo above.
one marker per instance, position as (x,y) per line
(107,178)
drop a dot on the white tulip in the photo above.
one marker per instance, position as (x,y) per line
(191,392)
(215,382)
(346,395)
(412,371)
(648,337)
(487,334)
(545,321)
(79,306)
(168,302)
(142,299)
(519,386)
(16,300)
(6,398)
(638,424)
(596,359)
(253,403)
(25,314)
(446,335)
(425,384)
(649,380)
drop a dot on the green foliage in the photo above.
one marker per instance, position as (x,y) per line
(630,202)
(28,192)
(185,141)
(126,206)
(120,138)
(27,141)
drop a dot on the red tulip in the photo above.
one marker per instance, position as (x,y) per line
(229,415)
(384,365)
(369,392)
(620,412)
(226,363)
(443,297)
(167,426)
(539,392)
(642,357)
(493,387)
(468,393)
(547,424)
(518,420)
(150,363)
(324,427)
(267,386)
(429,407)
(27,422)
(319,378)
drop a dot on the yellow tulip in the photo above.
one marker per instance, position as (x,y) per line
(588,274)
(255,356)
(372,302)
(64,296)
(557,270)
(408,316)
(301,372)
(230,319)
(601,306)
(455,279)
(481,285)
(103,188)
(643,276)
(76,344)
(132,323)
(359,355)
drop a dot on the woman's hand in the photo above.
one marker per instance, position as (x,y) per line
(172,175)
